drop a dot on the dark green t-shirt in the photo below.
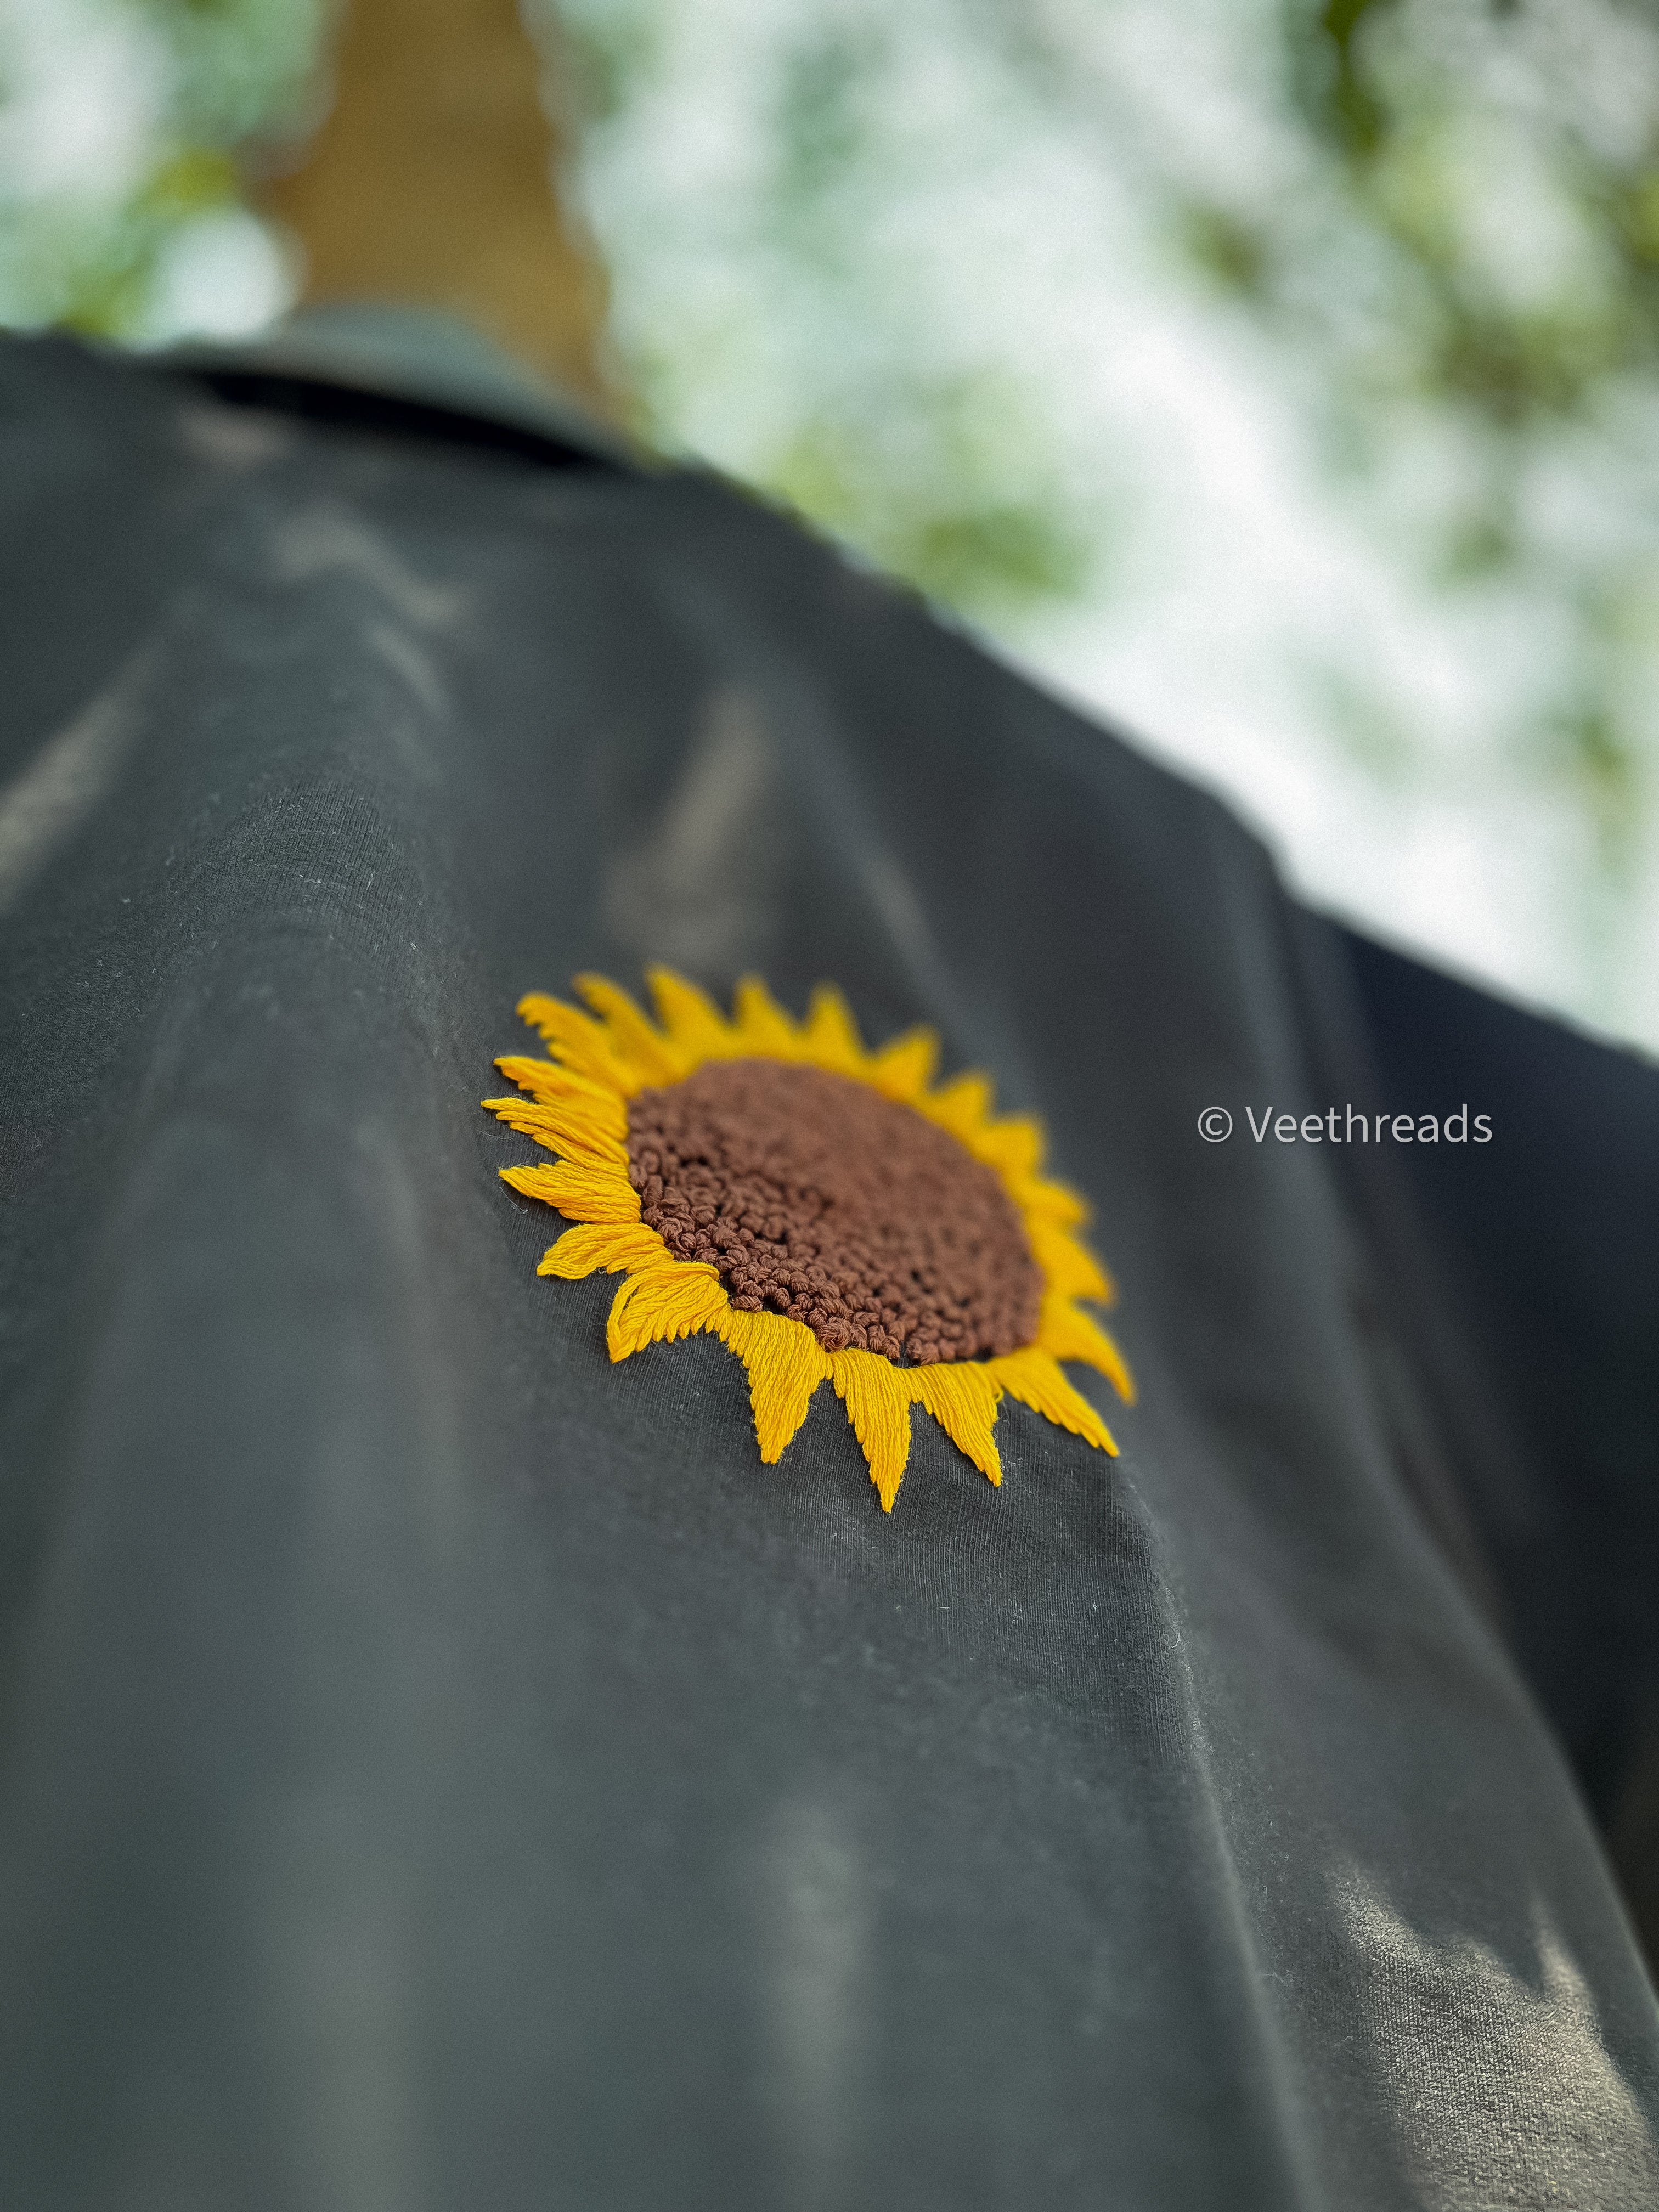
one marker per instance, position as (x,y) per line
(441,1767)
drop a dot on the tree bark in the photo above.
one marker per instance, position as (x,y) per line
(433,182)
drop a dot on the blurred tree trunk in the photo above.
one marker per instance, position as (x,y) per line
(432,184)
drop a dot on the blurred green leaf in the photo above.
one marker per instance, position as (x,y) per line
(1228,246)
(1338,89)
(939,488)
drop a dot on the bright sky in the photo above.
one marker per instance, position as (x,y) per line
(1254,617)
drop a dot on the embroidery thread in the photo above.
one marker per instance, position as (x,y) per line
(825,1211)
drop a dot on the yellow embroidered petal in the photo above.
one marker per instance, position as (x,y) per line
(662,1305)
(877,1400)
(1069,1334)
(784,1363)
(904,1068)
(581,1193)
(962,1396)
(616,1247)
(960,1107)
(830,1035)
(1067,1268)
(1013,1145)
(565,1127)
(632,1037)
(557,1085)
(762,1025)
(694,1028)
(1034,1377)
(1040,1200)
(580,1044)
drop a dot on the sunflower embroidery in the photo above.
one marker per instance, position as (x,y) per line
(826,1212)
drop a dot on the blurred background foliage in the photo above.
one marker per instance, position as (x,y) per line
(1280,375)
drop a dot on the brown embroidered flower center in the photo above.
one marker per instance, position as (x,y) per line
(817,1197)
